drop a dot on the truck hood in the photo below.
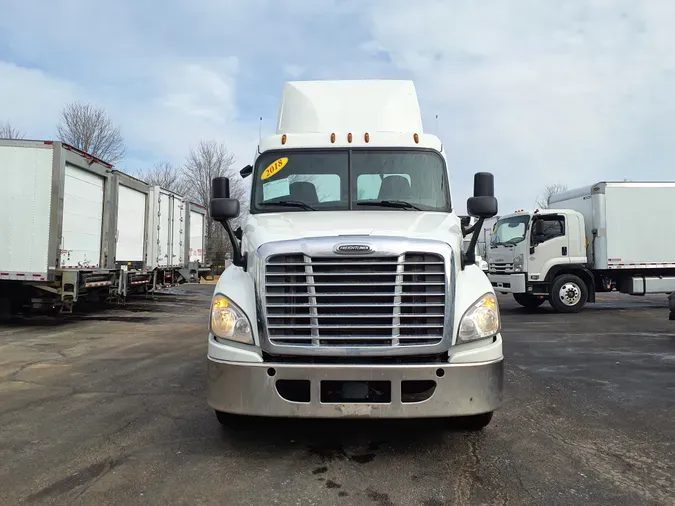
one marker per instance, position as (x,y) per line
(268,227)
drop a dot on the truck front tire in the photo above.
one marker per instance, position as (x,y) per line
(232,421)
(529,301)
(569,293)
(474,423)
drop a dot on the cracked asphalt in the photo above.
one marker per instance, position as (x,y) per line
(108,407)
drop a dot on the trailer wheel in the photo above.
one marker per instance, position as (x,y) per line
(473,423)
(529,301)
(569,294)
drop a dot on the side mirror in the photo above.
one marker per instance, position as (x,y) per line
(483,204)
(221,206)
(246,171)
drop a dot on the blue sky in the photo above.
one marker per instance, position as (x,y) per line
(534,92)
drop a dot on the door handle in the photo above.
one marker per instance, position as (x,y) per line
(564,251)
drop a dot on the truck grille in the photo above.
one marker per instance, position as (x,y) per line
(500,268)
(355,302)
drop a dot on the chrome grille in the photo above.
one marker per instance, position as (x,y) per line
(329,301)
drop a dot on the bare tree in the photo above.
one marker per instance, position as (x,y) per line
(7,131)
(544,201)
(90,129)
(205,161)
(167,176)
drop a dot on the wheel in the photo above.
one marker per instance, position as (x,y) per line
(474,423)
(529,301)
(569,293)
(231,421)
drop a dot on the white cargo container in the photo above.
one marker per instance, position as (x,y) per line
(53,227)
(597,238)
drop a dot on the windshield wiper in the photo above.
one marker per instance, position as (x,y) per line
(401,204)
(289,203)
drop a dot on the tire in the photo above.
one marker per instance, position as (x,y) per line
(231,421)
(473,423)
(569,293)
(529,301)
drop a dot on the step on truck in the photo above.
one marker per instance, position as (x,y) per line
(594,239)
(350,293)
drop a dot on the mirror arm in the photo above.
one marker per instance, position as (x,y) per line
(469,256)
(238,258)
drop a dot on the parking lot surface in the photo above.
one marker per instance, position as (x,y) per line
(108,407)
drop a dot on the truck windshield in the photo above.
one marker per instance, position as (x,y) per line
(338,180)
(510,231)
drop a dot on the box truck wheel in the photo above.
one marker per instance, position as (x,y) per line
(529,301)
(473,423)
(569,293)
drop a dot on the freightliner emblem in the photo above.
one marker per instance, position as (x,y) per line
(354,249)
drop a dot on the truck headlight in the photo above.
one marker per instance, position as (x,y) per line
(518,263)
(229,322)
(481,320)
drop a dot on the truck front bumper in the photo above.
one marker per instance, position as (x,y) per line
(508,283)
(254,389)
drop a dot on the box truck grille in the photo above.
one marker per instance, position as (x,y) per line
(499,268)
(355,302)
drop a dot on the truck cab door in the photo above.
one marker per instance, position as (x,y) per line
(549,245)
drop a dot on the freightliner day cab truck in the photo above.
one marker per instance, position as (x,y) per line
(598,238)
(350,294)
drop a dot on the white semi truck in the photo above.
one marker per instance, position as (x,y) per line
(597,238)
(350,294)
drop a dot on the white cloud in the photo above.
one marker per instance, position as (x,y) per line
(31,100)
(533,91)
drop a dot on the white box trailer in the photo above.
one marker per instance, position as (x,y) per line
(195,244)
(53,228)
(176,237)
(166,217)
(129,224)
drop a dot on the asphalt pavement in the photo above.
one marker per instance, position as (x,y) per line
(108,407)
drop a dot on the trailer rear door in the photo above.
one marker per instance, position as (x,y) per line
(130,224)
(25,195)
(196,237)
(164,245)
(82,219)
(177,233)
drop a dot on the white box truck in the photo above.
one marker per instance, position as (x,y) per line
(597,238)
(349,294)
(55,241)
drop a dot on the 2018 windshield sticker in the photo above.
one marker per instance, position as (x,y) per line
(274,167)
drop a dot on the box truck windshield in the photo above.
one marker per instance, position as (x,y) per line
(510,231)
(358,179)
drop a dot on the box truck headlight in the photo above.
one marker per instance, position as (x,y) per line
(481,320)
(228,321)
(518,263)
